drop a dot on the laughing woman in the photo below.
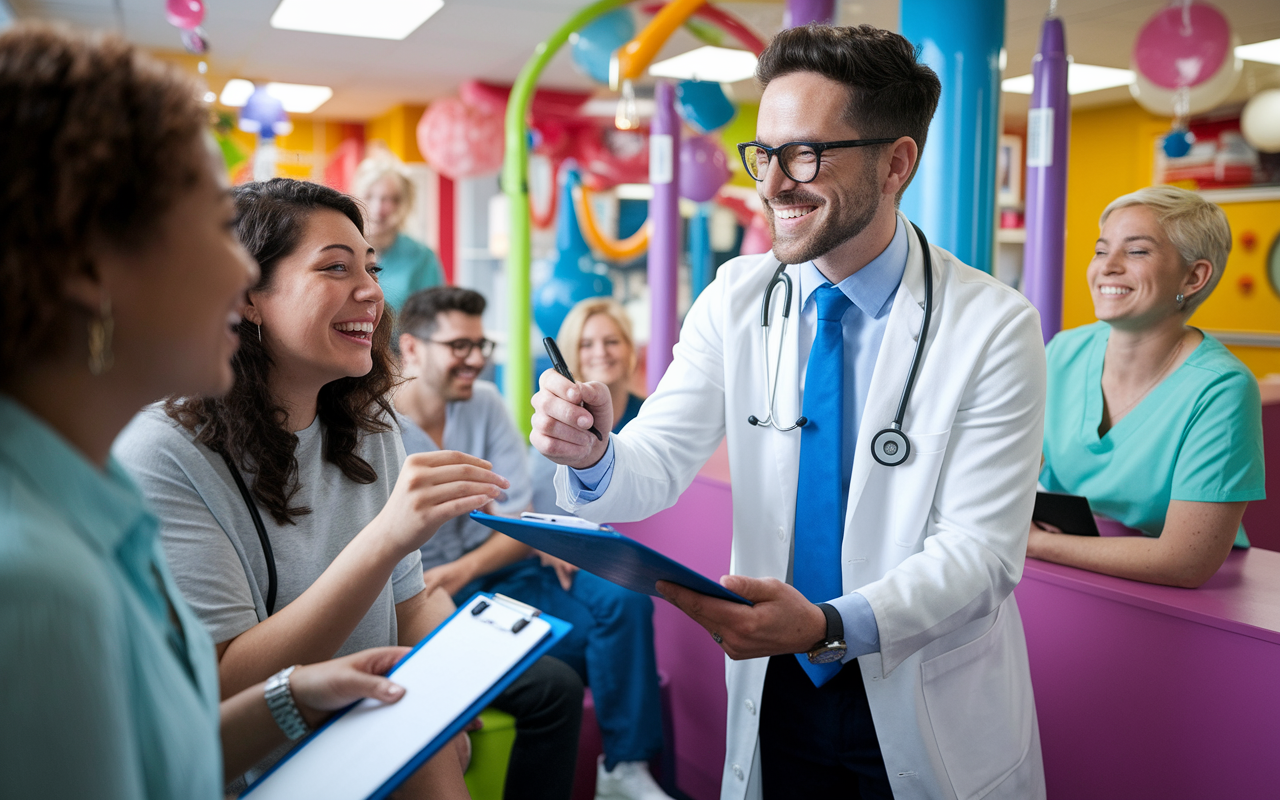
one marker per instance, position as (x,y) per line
(289,514)
(1151,419)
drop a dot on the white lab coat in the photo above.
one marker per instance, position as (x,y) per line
(936,545)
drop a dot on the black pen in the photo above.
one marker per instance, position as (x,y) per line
(557,362)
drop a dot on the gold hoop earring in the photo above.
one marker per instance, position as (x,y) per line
(101,329)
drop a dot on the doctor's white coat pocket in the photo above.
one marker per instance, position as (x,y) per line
(983,721)
(914,478)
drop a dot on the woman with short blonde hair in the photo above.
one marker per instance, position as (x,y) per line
(383,187)
(1152,420)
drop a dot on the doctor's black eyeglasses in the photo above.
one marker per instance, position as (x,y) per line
(799,160)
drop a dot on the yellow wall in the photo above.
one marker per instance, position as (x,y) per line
(1113,153)
(398,130)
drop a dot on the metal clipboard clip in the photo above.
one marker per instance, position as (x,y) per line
(505,613)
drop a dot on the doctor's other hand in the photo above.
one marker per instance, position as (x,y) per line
(320,689)
(781,621)
(562,426)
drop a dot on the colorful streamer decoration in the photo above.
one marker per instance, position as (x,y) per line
(609,248)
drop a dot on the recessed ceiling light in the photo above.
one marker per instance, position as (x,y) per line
(719,64)
(374,19)
(1266,52)
(297,98)
(1081,79)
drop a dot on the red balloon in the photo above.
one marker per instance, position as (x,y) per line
(185,14)
(459,140)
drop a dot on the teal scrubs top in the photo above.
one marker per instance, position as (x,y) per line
(1197,436)
(408,266)
(630,412)
(103,696)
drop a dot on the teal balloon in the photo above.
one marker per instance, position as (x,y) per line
(596,43)
(575,274)
(703,105)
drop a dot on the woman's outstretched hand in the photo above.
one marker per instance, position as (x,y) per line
(433,488)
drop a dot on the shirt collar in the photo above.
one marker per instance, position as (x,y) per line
(870,288)
(104,505)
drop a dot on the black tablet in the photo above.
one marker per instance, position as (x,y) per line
(1069,513)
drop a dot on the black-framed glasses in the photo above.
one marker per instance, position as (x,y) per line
(799,160)
(461,348)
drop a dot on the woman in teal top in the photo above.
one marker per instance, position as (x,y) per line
(407,264)
(1155,422)
(122,275)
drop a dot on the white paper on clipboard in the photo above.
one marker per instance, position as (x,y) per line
(351,758)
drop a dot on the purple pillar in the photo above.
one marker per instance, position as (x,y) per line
(802,12)
(664,241)
(1048,122)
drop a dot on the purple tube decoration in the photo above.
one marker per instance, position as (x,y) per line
(664,241)
(1048,122)
(802,12)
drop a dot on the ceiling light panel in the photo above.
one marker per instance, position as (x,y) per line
(373,19)
(1081,79)
(719,64)
(1266,52)
(297,98)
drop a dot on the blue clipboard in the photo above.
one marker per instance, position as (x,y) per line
(476,611)
(607,554)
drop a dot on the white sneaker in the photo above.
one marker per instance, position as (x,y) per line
(629,780)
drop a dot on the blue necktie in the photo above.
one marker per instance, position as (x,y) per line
(819,500)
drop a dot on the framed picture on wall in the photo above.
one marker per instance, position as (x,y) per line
(1009,172)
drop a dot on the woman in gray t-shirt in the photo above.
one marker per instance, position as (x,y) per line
(309,430)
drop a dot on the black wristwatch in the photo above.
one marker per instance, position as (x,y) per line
(833,647)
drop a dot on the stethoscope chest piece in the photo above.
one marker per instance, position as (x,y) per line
(890,447)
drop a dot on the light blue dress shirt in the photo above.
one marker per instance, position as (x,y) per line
(103,696)
(872,290)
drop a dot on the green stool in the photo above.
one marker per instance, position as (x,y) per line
(490,753)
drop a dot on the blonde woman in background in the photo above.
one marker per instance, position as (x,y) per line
(597,344)
(408,265)
(1153,420)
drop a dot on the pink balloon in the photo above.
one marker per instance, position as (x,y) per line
(704,168)
(461,141)
(185,14)
(1182,47)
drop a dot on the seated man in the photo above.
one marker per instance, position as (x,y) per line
(611,646)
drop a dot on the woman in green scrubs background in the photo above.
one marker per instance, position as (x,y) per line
(407,264)
(1152,420)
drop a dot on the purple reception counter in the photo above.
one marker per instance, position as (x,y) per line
(1154,692)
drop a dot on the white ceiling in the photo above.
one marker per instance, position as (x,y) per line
(492,39)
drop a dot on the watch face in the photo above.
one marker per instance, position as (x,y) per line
(828,653)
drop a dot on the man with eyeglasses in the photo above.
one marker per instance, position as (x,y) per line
(445,405)
(884,655)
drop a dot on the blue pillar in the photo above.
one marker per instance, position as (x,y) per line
(701,259)
(953,195)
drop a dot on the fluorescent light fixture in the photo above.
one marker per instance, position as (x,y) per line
(236,93)
(1081,79)
(298,98)
(1266,52)
(373,19)
(719,64)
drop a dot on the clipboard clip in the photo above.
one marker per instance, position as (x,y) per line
(505,613)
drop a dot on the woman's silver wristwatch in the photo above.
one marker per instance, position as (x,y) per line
(283,709)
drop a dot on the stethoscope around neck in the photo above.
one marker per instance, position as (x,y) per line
(890,446)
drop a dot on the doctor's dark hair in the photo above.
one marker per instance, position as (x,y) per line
(419,314)
(247,424)
(891,93)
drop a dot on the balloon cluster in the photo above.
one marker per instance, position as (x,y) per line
(1184,63)
(186,16)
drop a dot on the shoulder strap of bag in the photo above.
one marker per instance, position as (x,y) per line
(262,533)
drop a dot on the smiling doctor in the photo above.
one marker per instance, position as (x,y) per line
(881,501)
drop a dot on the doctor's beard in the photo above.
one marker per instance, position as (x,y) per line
(851,210)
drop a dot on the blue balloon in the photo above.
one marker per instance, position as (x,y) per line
(595,44)
(262,113)
(575,275)
(703,105)
(1178,143)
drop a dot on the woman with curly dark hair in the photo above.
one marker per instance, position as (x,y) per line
(123,282)
(289,513)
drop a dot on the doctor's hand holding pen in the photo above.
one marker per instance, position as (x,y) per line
(565,413)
